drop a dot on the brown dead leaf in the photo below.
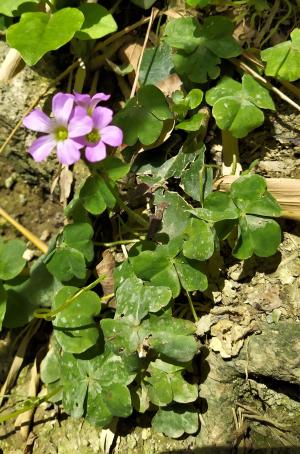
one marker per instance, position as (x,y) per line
(106,268)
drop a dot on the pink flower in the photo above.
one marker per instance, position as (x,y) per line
(101,135)
(60,131)
(89,103)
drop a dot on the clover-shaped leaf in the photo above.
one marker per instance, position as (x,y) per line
(237,107)
(121,335)
(176,216)
(95,195)
(257,235)
(44,32)
(176,420)
(201,47)
(218,206)
(143,116)
(191,274)
(156,65)
(283,59)
(98,22)
(78,236)
(11,258)
(249,193)
(166,384)
(135,299)
(170,337)
(74,326)
(96,387)
(66,263)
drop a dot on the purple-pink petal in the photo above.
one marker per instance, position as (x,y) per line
(102,116)
(80,123)
(42,147)
(68,152)
(98,97)
(37,121)
(95,153)
(82,100)
(112,135)
(62,106)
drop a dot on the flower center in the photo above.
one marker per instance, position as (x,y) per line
(90,111)
(94,136)
(61,133)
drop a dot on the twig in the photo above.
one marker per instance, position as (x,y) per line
(25,232)
(10,65)
(265,82)
(154,12)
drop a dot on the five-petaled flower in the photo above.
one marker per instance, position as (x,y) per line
(76,123)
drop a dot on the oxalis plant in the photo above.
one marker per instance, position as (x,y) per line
(124,329)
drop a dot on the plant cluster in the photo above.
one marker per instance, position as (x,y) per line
(133,349)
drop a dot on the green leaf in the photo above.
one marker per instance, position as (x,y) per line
(98,22)
(156,65)
(66,263)
(236,107)
(156,266)
(11,258)
(171,337)
(260,236)
(192,124)
(91,195)
(166,384)
(200,242)
(121,336)
(190,179)
(176,420)
(145,4)
(50,367)
(199,3)
(3,300)
(191,274)
(143,116)
(114,168)
(175,217)
(249,193)
(283,59)
(44,32)
(135,300)
(10,7)
(74,327)
(78,236)
(218,206)
(201,47)
(96,387)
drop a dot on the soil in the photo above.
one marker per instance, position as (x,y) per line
(250,375)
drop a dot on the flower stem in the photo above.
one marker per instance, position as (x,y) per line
(116,243)
(192,306)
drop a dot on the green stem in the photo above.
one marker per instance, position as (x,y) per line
(192,306)
(139,219)
(230,147)
(48,313)
(34,403)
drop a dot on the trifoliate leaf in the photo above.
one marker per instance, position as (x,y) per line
(175,217)
(11,258)
(174,421)
(257,235)
(91,195)
(191,274)
(78,236)
(201,47)
(74,326)
(250,195)
(166,384)
(190,179)
(44,32)
(236,107)
(50,367)
(218,206)
(113,167)
(66,263)
(143,116)
(121,336)
(170,337)
(135,299)
(192,124)
(98,22)
(283,59)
